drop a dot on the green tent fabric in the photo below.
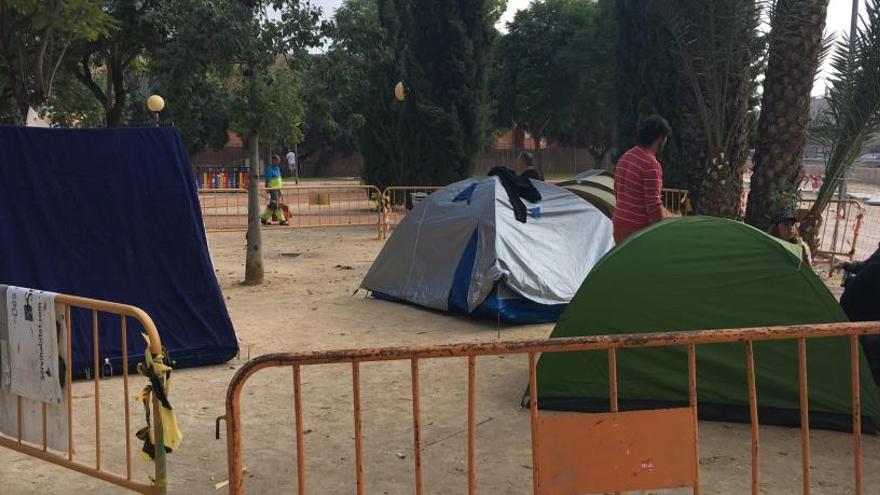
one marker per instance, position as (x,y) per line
(699,273)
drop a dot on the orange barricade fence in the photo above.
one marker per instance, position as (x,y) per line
(398,201)
(303,206)
(75,437)
(585,452)
(224,209)
(839,234)
(676,201)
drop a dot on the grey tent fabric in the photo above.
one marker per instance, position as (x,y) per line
(544,260)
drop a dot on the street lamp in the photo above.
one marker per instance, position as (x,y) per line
(155,104)
(400,91)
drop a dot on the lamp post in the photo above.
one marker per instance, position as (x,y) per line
(155,104)
(400,91)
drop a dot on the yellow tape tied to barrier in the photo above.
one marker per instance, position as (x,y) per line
(159,375)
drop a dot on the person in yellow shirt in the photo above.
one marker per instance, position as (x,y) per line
(274,183)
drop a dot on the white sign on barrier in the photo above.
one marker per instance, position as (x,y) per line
(32,330)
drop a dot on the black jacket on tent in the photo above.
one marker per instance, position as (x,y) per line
(113,214)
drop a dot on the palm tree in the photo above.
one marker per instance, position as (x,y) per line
(795,49)
(715,41)
(853,117)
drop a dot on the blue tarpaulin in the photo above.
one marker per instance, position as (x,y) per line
(113,214)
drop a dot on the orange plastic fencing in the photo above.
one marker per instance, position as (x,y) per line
(668,436)
(99,467)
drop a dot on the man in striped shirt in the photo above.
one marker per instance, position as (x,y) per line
(638,180)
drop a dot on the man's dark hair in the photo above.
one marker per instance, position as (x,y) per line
(527,157)
(652,128)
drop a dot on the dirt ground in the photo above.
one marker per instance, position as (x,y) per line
(307,303)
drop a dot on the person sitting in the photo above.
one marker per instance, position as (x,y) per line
(274,183)
(783,226)
(525,167)
(853,268)
(861,302)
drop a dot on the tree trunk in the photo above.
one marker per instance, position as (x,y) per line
(723,184)
(253,267)
(810,228)
(116,76)
(795,45)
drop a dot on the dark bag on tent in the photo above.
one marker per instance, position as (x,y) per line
(518,188)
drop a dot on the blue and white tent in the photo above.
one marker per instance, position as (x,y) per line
(461,250)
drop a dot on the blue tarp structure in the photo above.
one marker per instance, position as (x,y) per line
(113,214)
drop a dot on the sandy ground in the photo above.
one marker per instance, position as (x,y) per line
(307,304)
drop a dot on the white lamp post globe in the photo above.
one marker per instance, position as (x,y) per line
(155,103)
(400,91)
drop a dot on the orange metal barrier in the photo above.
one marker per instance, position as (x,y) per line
(345,206)
(99,470)
(306,206)
(676,201)
(224,209)
(841,225)
(596,469)
(398,200)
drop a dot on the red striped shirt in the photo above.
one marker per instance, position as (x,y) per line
(637,184)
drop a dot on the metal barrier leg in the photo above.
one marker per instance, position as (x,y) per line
(753,413)
(417,427)
(854,355)
(472,429)
(805,413)
(358,441)
(692,391)
(159,442)
(533,411)
(300,437)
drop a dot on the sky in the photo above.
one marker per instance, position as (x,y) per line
(838,21)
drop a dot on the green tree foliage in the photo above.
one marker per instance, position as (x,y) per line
(694,62)
(114,55)
(192,67)
(72,104)
(442,50)
(647,83)
(714,41)
(35,41)
(555,75)
(267,42)
(335,84)
(268,104)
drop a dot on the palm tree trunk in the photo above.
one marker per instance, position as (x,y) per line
(723,186)
(795,46)
(253,266)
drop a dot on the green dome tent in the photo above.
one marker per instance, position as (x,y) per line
(699,273)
